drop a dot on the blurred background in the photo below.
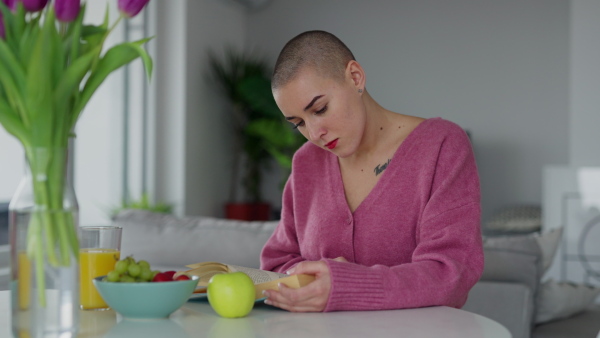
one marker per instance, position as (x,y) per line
(521,76)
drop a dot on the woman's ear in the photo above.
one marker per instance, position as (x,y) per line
(356,74)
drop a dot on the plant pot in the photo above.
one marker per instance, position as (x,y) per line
(248,211)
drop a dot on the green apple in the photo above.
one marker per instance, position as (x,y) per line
(231,295)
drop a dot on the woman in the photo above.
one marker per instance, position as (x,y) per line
(383,208)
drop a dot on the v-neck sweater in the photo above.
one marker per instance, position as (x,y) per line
(414,241)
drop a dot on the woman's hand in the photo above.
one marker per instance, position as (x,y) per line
(310,298)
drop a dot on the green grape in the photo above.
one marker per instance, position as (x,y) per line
(127,279)
(146,274)
(134,270)
(113,276)
(121,266)
(143,264)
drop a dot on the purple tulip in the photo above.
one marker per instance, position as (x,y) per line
(12,4)
(67,10)
(131,8)
(34,5)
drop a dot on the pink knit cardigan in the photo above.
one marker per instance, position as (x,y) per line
(414,241)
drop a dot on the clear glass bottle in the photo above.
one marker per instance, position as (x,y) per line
(43,221)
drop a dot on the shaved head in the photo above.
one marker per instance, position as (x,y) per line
(319,50)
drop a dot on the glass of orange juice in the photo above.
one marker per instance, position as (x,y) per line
(100,249)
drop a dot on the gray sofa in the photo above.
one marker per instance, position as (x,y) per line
(506,292)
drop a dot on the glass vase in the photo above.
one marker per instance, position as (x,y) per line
(43,220)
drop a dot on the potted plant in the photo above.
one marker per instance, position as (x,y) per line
(261,135)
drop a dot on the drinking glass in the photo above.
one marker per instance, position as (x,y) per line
(100,249)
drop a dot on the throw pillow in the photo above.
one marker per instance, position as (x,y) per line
(548,242)
(558,300)
(515,219)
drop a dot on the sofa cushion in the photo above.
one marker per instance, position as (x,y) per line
(166,240)
(583,325)
(558,300)
(516,259)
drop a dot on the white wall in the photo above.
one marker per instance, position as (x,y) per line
(193,130)
(584,83)
(497,68)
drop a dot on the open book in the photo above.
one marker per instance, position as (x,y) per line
(263,280)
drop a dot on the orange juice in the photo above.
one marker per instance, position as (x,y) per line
(94,263)
(24,283)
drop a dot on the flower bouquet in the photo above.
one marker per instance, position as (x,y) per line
(51,63)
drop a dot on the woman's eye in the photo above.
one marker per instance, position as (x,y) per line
(321,111)
(299,124)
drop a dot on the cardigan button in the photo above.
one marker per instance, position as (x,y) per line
(349,221)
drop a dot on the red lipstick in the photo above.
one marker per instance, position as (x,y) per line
(332,144)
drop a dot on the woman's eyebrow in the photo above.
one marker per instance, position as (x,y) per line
(313,102)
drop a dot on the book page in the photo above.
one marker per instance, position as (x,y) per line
(205,271)
(257,276)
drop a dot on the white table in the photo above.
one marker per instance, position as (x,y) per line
(197,319)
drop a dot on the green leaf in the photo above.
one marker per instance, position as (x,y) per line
(91,30)
(273,132)
(12,79)
(39,87)
(19,23)
(11,122)
(13,24)
(27,43)
(9,21)
(13,67)
(10,88)
(73,36)
(115,58)
(57,56)
(71,79)
(146,59)
(256,92)
(67,90)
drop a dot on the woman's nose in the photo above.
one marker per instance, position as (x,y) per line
(315,131)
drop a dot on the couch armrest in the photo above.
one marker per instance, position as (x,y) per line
(510,304)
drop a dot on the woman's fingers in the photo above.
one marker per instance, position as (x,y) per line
(297,300)
(309,268)
(312,297)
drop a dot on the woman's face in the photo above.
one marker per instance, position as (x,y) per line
(328,112)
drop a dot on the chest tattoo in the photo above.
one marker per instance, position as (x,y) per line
(381,167)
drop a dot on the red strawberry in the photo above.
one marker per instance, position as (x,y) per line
(182,277)
(162,277)
(169,274)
